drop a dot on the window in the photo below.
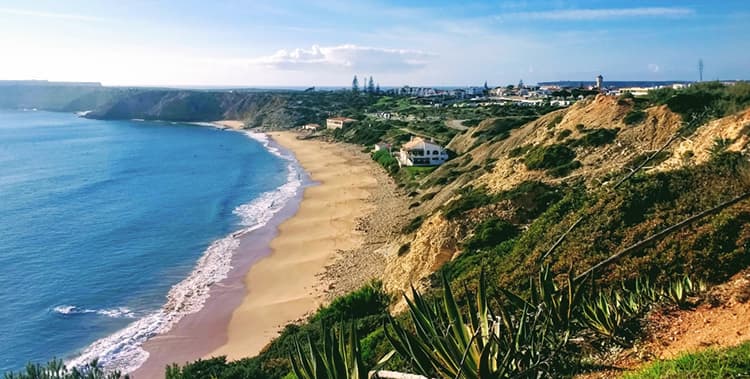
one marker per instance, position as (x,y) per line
(434,152)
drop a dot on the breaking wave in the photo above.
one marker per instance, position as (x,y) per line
(123,349)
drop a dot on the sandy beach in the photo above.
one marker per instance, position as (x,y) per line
(231,124)
(315,249)
(283,287)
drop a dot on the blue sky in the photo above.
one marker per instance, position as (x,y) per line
(325,42)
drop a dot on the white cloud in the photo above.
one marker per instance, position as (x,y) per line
(653,67)
(346,57)
(65,16)
(597,14)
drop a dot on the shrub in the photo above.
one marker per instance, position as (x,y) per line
(491,233)
(385,159)
(634,117)
(596,137)
(565,133)
(471,198)
(413,225)
(544,157)
(518,151)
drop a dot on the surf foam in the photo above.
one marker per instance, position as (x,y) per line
(123,350)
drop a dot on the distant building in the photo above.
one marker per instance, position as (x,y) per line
(338,122)
(381,146)
(312,127)
(419,152)
(600,82)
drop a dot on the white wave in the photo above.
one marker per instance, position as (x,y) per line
(123,349)
(119,312)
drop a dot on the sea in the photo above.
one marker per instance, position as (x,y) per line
(111,231)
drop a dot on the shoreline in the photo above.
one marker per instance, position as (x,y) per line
(286,285)
(325,237)
(198,333)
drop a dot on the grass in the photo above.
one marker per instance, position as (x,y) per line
(726,363)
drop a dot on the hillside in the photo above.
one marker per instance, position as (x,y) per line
(575,154)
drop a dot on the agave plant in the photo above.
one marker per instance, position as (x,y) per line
(679,291)
(339,358)
(607,315)
(520,341)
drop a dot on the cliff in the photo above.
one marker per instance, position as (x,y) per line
(589,145)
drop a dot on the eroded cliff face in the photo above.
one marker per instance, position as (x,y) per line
(435,243)
(696,149)
(439,239)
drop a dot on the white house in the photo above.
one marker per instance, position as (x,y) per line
(338,122)
(419,152)
(312,127)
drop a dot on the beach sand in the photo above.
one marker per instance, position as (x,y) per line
(323,246)
(284,286)
(231,124)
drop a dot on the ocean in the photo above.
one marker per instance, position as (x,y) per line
(110,231)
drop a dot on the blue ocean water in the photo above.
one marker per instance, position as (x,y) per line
(100,219)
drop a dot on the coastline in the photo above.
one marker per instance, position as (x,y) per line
(201,330)
(286,285)
(209,286)
(326,237)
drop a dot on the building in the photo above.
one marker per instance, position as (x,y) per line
(338,122)
(419,152)
(312,127)
(600,82)
(381,146)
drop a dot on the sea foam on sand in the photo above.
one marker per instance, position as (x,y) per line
(123,350)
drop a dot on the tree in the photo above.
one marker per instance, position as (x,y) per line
(355,84)
(371,86)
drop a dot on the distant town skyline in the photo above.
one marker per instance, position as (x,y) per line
(324,43)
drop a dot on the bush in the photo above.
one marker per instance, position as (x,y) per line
(385,159)
(544,157)
(413,225)
(634,117)
(491,233)
(565,133)
(596,137)
(366,301)
(471,198)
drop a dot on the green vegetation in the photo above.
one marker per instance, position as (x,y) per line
(499,129)
(413,225)
(470,198)
(56,370)
(595,138)
(635,116)
(717,99)
(726,363)
(385,159)
(365,307)
(557,160)
(491,233)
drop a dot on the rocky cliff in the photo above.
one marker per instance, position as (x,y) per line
(603,147)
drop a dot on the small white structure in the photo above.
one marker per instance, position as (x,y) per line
(312,127)
(381,146)
(338,122)
(419,152)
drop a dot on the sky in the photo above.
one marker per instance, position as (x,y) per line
(245,43)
